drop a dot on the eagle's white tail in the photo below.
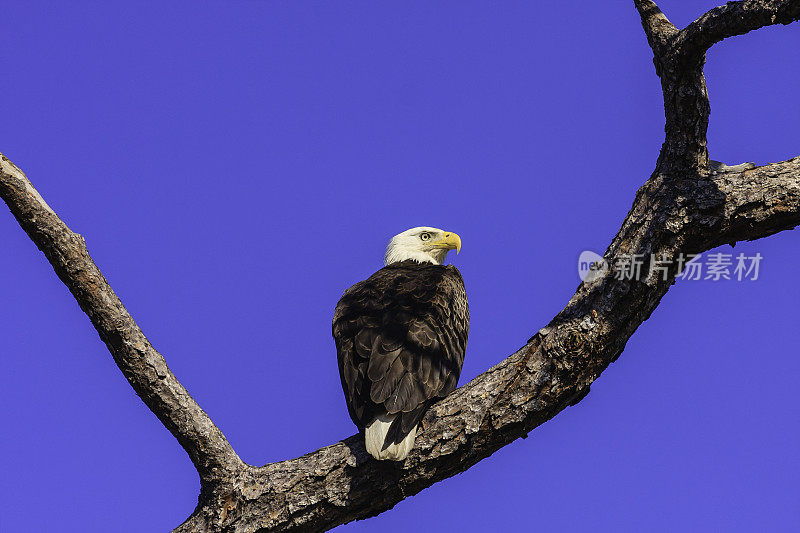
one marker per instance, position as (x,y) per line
(375,435)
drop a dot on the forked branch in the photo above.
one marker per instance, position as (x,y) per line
(685,207)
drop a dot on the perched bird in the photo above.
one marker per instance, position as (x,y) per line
(400,338)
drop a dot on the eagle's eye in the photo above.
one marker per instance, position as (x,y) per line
(425,236)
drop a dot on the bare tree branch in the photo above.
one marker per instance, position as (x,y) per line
(143,367)
(687,206)
(657,27)
(553,370)
(734,18)
(758,202)
(679,59)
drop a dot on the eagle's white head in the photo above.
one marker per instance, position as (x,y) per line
(422,244)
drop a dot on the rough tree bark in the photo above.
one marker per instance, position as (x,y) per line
(688,205)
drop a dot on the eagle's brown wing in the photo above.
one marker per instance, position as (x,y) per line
(400,337)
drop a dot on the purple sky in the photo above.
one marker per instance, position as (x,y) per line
(235,166)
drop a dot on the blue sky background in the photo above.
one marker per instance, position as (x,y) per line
(235,166)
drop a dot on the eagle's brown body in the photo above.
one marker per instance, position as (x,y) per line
(400,337)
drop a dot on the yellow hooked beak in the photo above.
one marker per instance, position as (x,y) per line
(449,240)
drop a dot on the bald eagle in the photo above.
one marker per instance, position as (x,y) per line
(400,338)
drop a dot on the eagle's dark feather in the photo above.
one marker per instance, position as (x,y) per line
(400,337)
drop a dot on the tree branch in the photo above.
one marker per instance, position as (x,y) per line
(685,207)
(679,58)
(143,367)
(657,27)
(734,18)
(758,202)
(552,371)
